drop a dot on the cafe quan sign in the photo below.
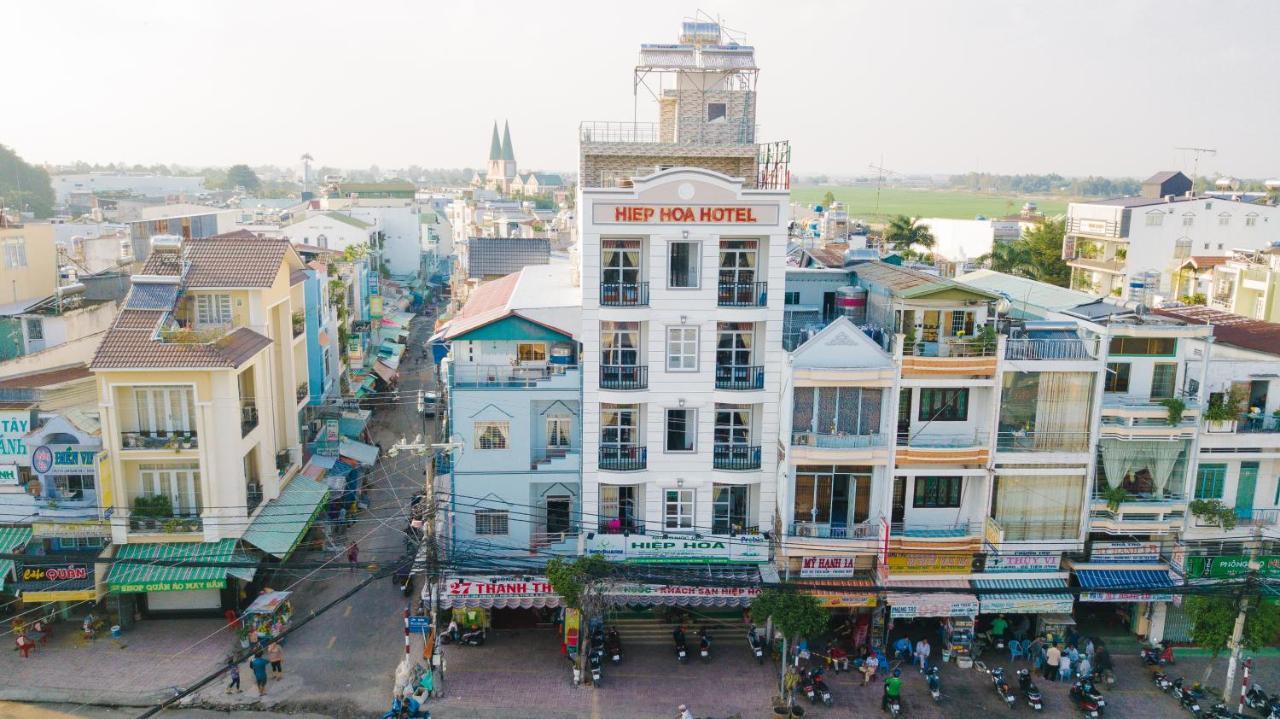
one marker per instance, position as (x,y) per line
(626,214)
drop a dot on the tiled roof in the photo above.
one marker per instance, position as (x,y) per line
(163,263)
(297,276)
(1230,328)
(906,282)
(138,348)
(1203,262)
(237,259)
(47,378)
(496,256)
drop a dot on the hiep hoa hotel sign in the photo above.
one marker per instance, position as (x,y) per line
(650,548)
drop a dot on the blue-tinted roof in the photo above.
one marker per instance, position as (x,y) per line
(1136,579)
(152,296)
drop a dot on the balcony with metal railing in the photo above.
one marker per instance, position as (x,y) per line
(742,294)
(624,294)
(943,448)
(837,441)
(740,377)
(1027,349)
(624,377)
(149,440)
(948,357)
(869,529)
(1038,530)
(623,458)
(929,531)
(550,376)
(735,457)
(1033,441)
(253,496)
(1258,424)
(248,415)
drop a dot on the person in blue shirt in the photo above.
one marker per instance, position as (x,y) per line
(902,649)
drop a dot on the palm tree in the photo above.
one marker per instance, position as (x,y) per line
(904,233)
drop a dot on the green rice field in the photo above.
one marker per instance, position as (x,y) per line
(958,204)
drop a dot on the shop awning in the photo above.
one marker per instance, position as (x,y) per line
(280,525)
(267,603)
(834,593)
(928,601)
(365,454)
(11,538)
(1125,585)
(387,374)
(490,592)
(688,585)
(160,574)
(1024,603)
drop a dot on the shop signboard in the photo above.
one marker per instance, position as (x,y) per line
(375,307)
(1023,562)
(827,566)
(69,530)
(46,576)
(1124,552)
(508,587)
(64,459)
(14,425)
(328,438)
(420,624)
(843,600)
(930,563)
(1124,597)
(625,592)
(670,549)
(8,474)
(636,214)
(1228,567)
(939,605)
(168,586)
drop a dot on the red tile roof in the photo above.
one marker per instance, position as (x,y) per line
(47,378)
(487,303)
(1205,262)
(237,259)
(1230,328)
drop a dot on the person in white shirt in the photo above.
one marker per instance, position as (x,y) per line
(922,653)
(685,713)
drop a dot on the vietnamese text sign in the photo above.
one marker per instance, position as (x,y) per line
(827,566)
(1227,567)
(1124,552)
(1124,597)
(169,586)
(86,528)
(628,214)
(1047,562)
(8,474)
(668,590)
(14,426)
(63,459)
(642,548)
(499,587)
(930,563)
(932,605)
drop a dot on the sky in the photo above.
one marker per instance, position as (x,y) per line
(1078,87)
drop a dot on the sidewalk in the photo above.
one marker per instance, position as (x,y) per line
(139,668)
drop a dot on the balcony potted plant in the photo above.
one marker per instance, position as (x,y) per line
(187,441)
(149,511)
(1115,496)
(1175,407)
(1213,512)
(1221,415)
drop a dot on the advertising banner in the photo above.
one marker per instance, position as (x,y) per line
(827,566)
(930,563)
(642,548)
(1124,552)
(1020,562)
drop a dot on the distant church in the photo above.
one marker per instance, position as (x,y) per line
(502,173)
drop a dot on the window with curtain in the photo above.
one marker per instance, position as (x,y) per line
(835,494)
(1038,507)
(937,492)
(944,405)
(620,262)
(1047,410)
(1163,377)
(729,508)
(1210,481)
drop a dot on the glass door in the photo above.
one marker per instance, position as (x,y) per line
(558,429)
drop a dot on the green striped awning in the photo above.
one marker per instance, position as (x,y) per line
(163,576)
(280,525)
(10,539)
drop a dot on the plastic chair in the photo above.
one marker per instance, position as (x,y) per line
(1017,649)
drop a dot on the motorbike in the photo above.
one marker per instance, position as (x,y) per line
(1220,711)
(1002,686)
(1086,695)
(820,688)
(613,645)
(682,651)
(704,645)
(935,684)
(1189,698)
(756,644)
(1257,698)
(1157,656)
(807,686)
(1161,680)
(473,637)
(895,707)
(1029,690)
(593,660)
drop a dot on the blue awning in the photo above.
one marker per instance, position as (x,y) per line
(1125,585)
(1023,603)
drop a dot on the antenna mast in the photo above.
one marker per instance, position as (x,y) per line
(1196,152)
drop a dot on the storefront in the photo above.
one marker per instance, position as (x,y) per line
(71,584)
(940,608)
(150,580)
(282,524)
(12,540)
(479,600)
(1020,586)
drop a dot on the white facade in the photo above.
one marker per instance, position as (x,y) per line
(649,353)
(145,185)
(329,232)
(397,220)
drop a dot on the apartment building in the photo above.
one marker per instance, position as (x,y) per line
(514,392)
(391,208)
(1246,283)
(1133,247)
(682,248)
(197,384)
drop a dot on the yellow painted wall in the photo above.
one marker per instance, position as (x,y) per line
(40,277)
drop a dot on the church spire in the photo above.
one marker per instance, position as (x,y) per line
(508,153)
(495,147)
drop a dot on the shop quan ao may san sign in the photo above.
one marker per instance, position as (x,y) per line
(642,548)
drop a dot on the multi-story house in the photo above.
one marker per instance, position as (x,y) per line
(183,220)
(1246,283)
(197,384)
(1133,247)
(514,391)
(390,207)
(682,238)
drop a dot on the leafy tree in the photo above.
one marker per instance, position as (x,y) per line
(243,176)
(795,614)
(828,200)
(1044,251)
(1214,620)
(580,583)
(905,234)
(23,186)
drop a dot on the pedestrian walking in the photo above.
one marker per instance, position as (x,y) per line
(353,555)
(259,666)
(1052,658)
(275,655)
(685,713)
(233,686)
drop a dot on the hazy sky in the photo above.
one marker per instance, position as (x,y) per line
(1077,87)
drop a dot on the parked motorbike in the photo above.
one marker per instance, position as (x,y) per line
(935,684)
(807,686)
(1157,656)
(704,645)
(594,661)
(756,644)
(820,688)
(1029,690)
(1084,702)
(613,645)
(1161,680)
(472,637)
(682,651)
(1002,686)
(1220,711)
(1188,697)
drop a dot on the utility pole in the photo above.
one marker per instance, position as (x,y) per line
(1251,582)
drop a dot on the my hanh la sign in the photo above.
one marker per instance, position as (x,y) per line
(642,214)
